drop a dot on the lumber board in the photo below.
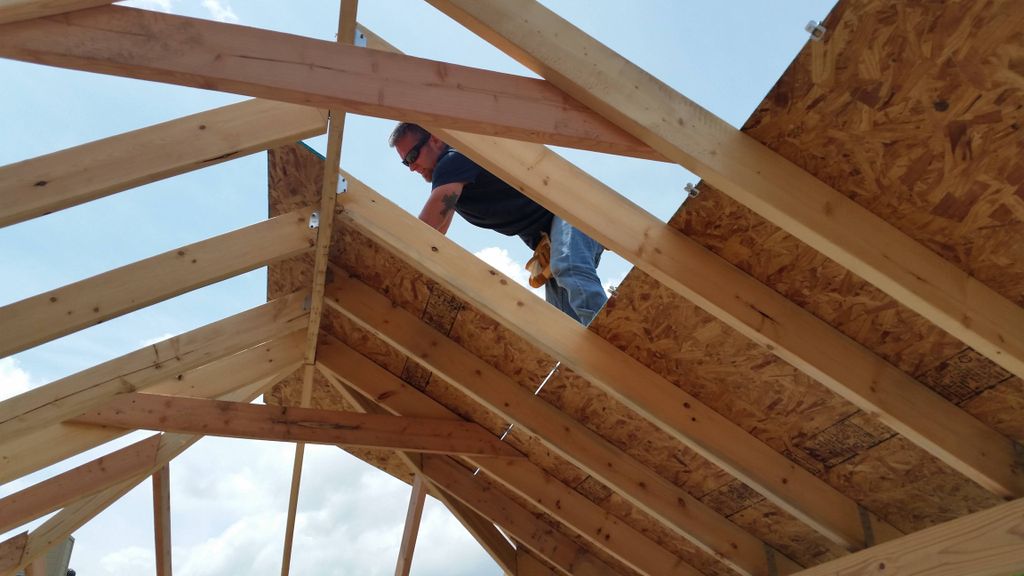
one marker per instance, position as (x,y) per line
(139,370)
(294,424)
(752,173)
(525,527)
(162,519)
(46,184)
(18,10)
(58,312)
(94,476)
(11,552)
(672,506)
(296,480)
(56,442)
(717,439)
(528,565)
(147,45)
(534,484)
(988,543)
(412,525)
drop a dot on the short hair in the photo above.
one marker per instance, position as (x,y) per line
(404,128)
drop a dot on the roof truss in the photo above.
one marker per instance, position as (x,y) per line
(640,121)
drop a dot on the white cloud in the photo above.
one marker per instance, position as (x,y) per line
(251,545)
(610,283)
(13,379)
(502,262)
(131,560)
(221,12)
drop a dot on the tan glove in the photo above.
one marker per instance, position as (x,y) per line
(539,266)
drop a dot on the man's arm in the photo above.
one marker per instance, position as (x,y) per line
(440,206)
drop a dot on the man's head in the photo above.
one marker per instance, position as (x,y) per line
(417,148)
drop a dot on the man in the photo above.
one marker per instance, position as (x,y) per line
(459,185)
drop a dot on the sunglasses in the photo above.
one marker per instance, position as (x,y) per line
(414,153)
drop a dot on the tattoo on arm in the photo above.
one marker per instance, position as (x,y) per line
(448,203)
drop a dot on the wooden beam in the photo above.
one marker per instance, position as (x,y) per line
(528,565)
(847,368)
(672,506)
(293,492)
(295,424)
(552,496)
(56,442)
(481,495)
(751,173)
(162,519)
(412,525)
(19,10)
(11,552)
(150,365)
(987,543)
(54,493)
(148,45)
(65,310)
(728,446)
(49,183)
(74,516)
(482,529)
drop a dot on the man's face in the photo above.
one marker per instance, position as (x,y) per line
(420,153)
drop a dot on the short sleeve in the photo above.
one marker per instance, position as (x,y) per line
(454,167)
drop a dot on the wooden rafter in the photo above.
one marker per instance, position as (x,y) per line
(162,519)
(72,517)
(149,366)
(481,495)
(987,543)
(18,10)
(46,316)
(412,525)
(751,173)
(552,496)
(847,368)
(672,506)
(318,73)
(58,441)
(54,493)
(482,529)
(716,438)
(294,424)
(528,565)
(70,177)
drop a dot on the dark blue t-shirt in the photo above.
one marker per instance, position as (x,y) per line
(488,202)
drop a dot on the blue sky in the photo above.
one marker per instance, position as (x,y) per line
(229,497)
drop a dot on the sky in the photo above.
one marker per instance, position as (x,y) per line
(229,497)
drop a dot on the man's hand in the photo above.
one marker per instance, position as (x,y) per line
(440,206)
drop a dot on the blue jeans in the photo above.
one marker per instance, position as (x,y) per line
(574,287)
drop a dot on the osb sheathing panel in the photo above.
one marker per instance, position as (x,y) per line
(913,110)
